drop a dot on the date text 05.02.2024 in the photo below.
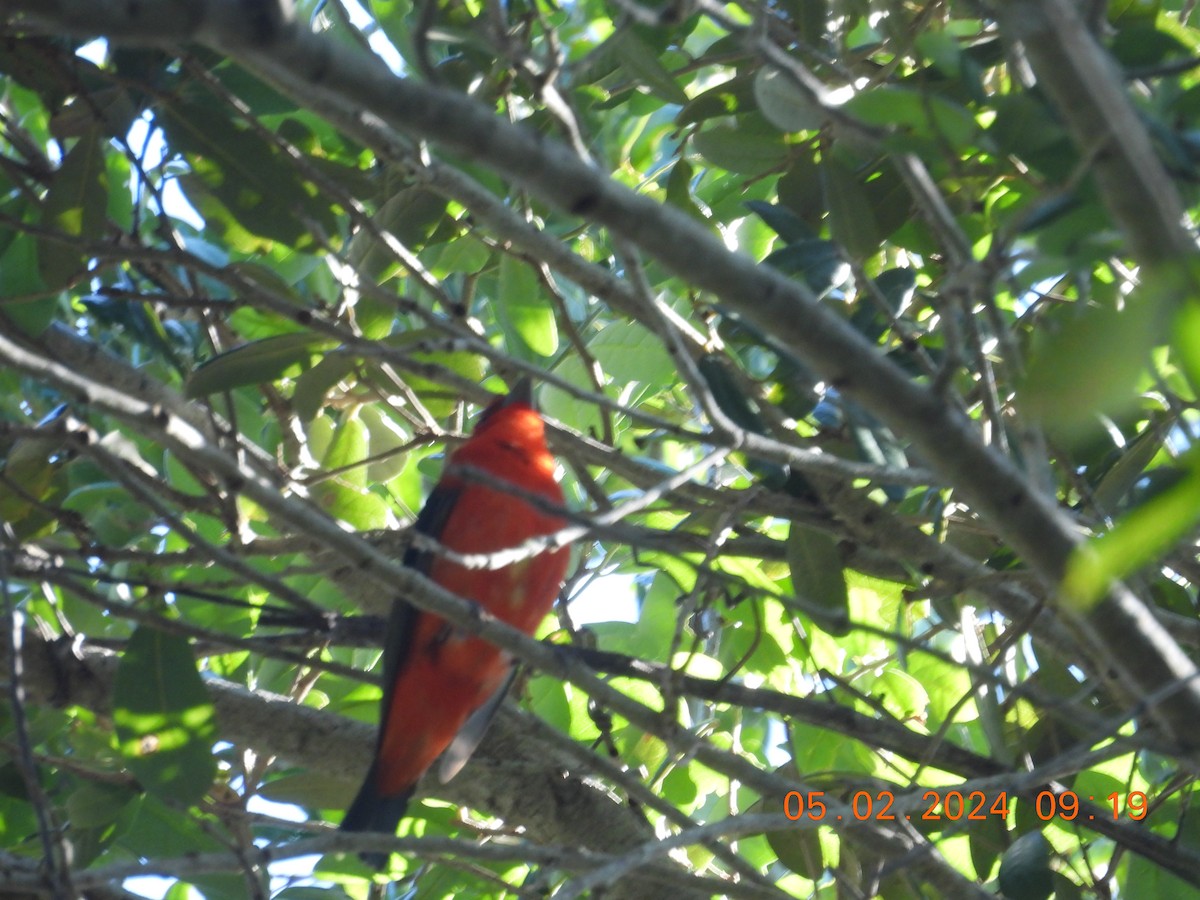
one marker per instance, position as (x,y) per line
(952,805)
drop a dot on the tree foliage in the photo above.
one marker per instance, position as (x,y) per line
(867,334)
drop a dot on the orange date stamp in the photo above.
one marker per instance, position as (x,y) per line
(954,806)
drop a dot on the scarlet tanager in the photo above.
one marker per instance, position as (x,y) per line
(441,686)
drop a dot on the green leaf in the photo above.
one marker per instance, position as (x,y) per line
(120,202)
(629,352)
(27,475)
(851,220)
(523,308)
(942,49)
(783,103)
(315,383)
(96,804)
(384,435)
(115,517)
(1025,868)
(724,99)
(781,220)
(1140,537)
(987,842)
(799,848)
(164,718)
(650,636)
(818,578)
(1122,475)
(1026,128)
(1126,13)
(799,190)
(728,393)
(408,216)
(393,18)
(1147,879)
(159,830)
(345,494)
(1092,364)
(1136,45)
(437,399)
(311,892)
(1186,334)
(641,60)
(916,113)
(742,148)
(258,362)
(316,790)
(896,286)
(252,180)
(679,192)
(75,206)
(819,262)
(897,692)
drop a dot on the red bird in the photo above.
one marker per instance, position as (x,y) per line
(442,686)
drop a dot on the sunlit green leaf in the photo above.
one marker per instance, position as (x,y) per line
(631,353)
(522,305)
(344,492)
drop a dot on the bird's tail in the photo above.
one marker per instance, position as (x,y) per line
(372,811)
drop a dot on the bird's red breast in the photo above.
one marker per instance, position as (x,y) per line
(437,680)
(445,675)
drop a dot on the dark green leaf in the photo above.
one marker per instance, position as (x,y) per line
(96,804)
(1025,868)
(1121,476)
(741,149)
(851,220)
(642,61)
(258,362)
(728,395)
(164,718)
(818,262)
(75,207)
(818,578)
(725,99)
(679,192)
(1142,45)
(799,190)
(781,220)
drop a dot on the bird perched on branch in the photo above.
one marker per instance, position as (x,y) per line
(441,686)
